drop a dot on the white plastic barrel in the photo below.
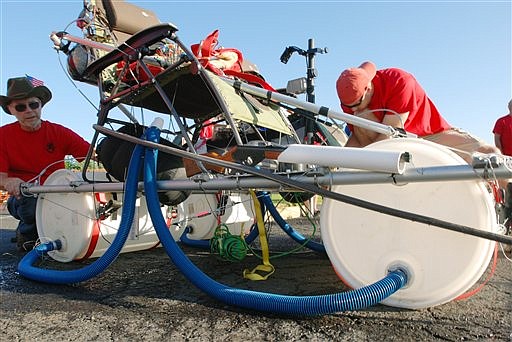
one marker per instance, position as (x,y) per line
(199,213)
(72,218)
(441,264)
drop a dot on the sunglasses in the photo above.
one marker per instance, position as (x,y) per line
(355,104)
(358,102)
(23,107)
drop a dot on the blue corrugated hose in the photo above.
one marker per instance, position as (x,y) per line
(26,268)
(205,244)
(268,302)
(286,227)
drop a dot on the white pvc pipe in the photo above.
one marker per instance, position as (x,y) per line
(346,157)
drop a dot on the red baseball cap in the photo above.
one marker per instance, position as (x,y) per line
(352,82)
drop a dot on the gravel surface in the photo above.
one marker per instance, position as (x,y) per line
(142,296)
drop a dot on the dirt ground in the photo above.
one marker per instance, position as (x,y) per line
(142,296)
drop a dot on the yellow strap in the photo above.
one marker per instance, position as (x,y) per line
(266,266)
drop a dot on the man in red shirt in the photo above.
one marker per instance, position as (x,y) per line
(30,150)
(393,97)
(503,132)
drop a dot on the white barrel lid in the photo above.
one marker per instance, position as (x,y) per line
(441,264)
(68,217)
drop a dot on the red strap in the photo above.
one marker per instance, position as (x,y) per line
(101,197)
(498,197)
(95,234)
(489,276)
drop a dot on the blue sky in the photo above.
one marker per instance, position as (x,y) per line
(460,51)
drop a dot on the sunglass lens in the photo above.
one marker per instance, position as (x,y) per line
(34,105)
(22,107)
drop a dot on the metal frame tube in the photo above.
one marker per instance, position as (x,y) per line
(239,182)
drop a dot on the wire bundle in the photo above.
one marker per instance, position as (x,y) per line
(228,246)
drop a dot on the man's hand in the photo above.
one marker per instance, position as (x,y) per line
(361,136)
(12,185)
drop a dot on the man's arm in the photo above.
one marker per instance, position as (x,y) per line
(393,120)
(497,140)
(361,137)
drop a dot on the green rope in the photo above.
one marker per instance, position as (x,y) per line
(226,245)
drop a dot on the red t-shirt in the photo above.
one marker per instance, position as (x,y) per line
(503,128)
(398,90)
(25,154)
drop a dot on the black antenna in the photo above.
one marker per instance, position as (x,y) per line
(311,74)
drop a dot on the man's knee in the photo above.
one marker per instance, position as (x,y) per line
(28,210)
(23,209)
(12,207)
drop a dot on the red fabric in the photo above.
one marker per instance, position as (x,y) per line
(25,154)
(207,130)
(208,49)
(137,71)
(503,127)
(398,90)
